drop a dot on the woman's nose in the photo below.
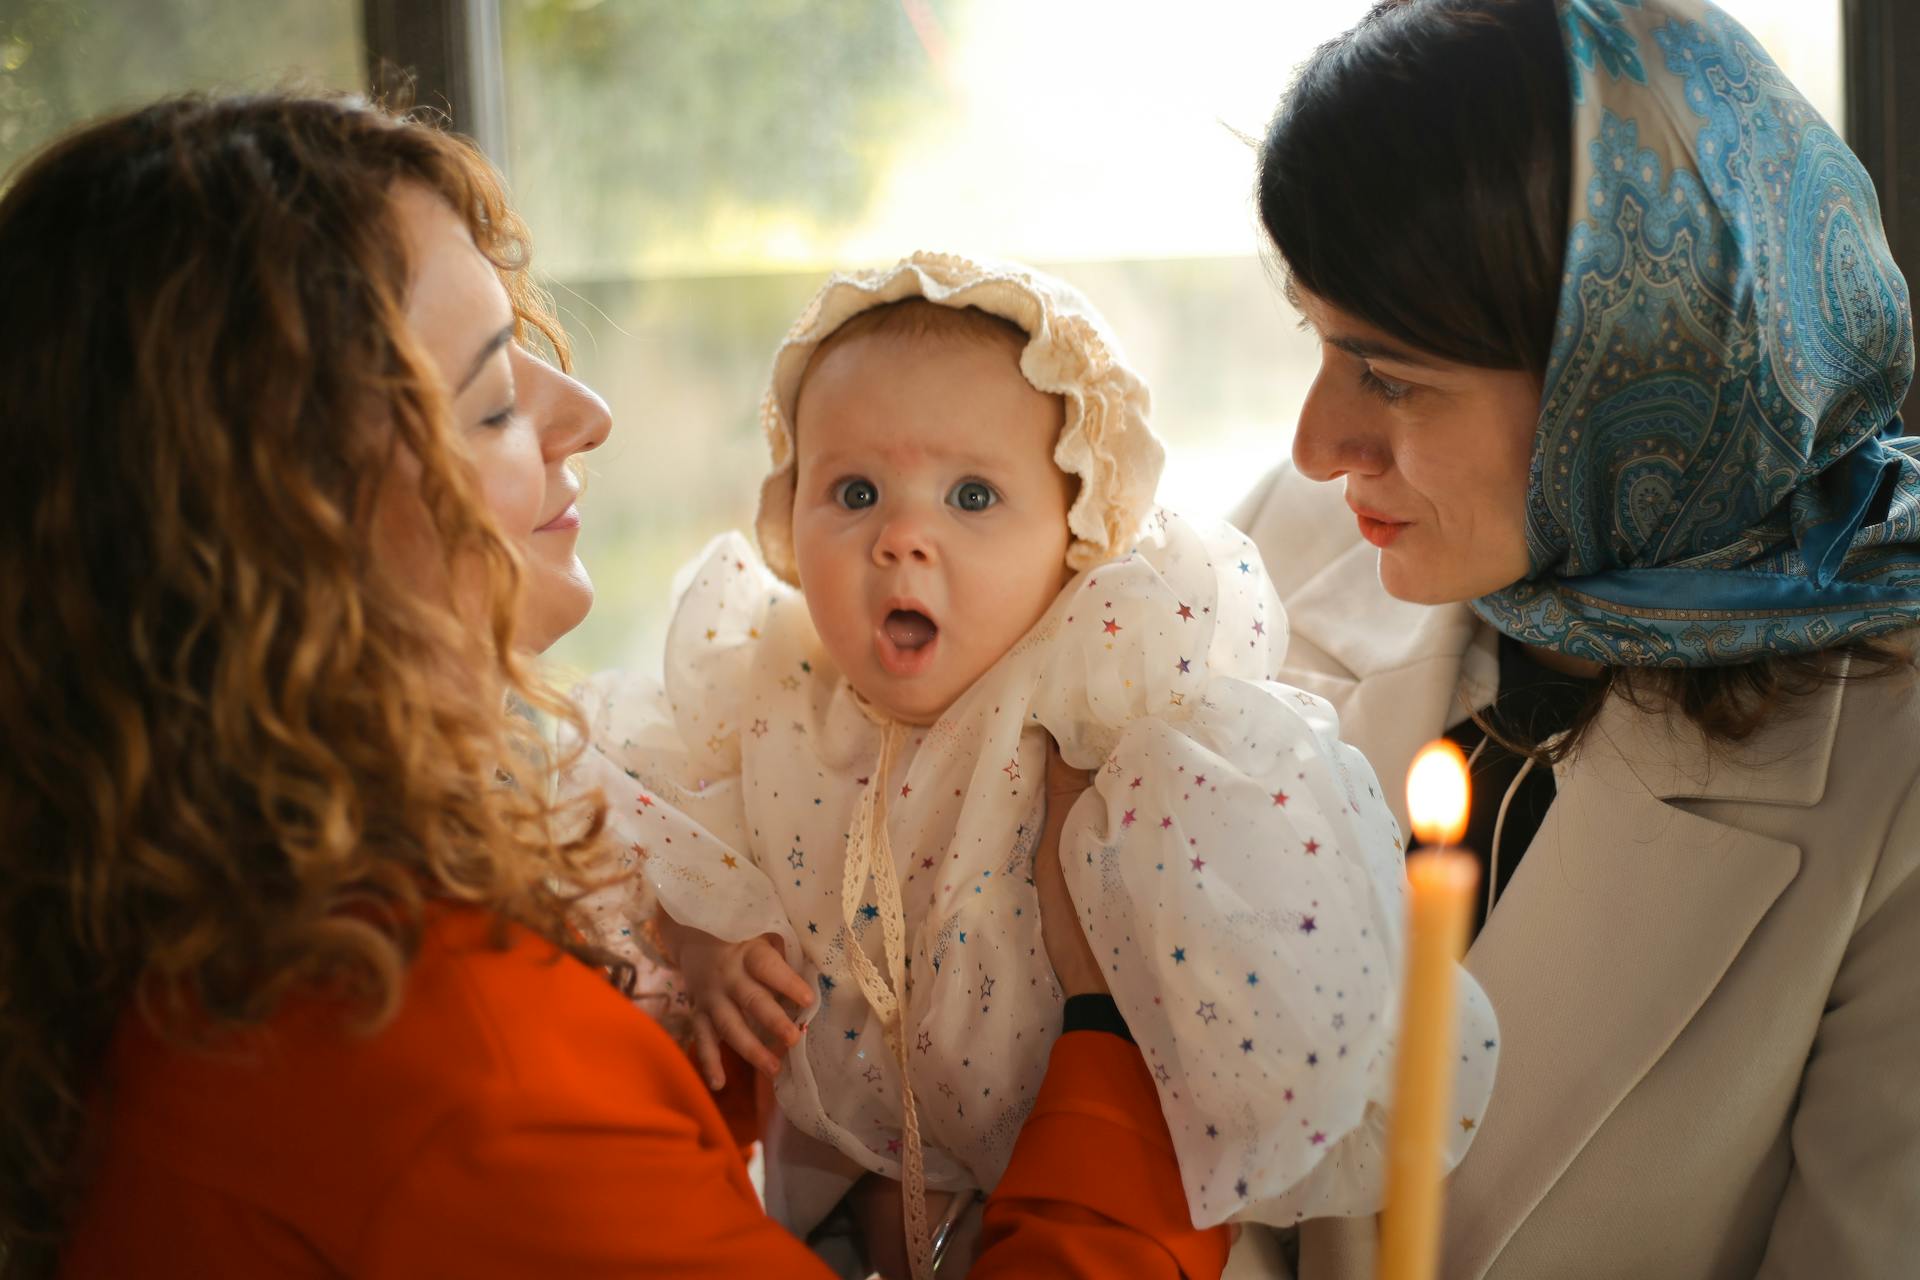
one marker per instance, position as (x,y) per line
(1337,434)
(570,417)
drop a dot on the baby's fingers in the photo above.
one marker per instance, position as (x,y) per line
(734,1030)
(766,966)
(758,1003)
(706,1052)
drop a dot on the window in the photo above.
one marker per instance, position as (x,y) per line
(691,175)
(62,61)
(692,172)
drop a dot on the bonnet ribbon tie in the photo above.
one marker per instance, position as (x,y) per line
(869,852)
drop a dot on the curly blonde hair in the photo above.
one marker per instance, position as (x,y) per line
(238,755)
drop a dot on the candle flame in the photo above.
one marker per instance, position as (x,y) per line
(1438,794)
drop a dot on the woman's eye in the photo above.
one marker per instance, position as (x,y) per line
(973,495)
(857,494)
(501,418)
(1385,388)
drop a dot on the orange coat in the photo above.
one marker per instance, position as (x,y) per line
(520,1119)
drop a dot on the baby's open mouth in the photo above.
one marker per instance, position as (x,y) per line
(910,629)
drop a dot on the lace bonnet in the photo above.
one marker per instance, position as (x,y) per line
(1105,440)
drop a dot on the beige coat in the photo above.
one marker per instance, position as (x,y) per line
(1706,970)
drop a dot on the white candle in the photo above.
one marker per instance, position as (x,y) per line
(1440,903)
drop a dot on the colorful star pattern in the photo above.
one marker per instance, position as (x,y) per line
(1203,763)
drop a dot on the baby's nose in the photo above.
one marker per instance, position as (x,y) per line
(903,539)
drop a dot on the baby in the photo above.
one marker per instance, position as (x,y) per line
(837,801)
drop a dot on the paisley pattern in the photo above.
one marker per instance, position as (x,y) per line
(1594,33)
(1718,472)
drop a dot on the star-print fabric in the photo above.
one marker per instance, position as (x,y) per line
(1236,866)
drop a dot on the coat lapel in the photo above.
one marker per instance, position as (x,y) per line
(1615,929)
(1622,918)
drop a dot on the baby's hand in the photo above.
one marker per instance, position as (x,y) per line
(736,988)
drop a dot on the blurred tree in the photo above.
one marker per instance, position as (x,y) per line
(62,61)
(637,125)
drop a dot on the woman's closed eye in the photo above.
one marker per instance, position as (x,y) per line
(1385,388)
(502,417)
(973,495)
(856,493)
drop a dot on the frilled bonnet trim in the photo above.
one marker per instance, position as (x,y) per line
(1105,441)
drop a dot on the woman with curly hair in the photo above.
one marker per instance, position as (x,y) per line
(291,979)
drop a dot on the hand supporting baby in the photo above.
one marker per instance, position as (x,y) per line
(736,988)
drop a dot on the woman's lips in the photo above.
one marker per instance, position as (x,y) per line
(567,519)
(1376,528)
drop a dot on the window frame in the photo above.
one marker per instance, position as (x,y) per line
(451,50)
(1879,37)
(449,53)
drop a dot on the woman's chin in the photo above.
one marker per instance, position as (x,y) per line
(555,603)
(1418,581)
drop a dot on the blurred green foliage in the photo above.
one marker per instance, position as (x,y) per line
(641,134)
(634,124)
(63,61)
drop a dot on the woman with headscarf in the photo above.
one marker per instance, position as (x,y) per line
(1613,356)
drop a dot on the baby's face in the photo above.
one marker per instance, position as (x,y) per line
(929,520)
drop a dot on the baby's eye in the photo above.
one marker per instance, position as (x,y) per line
(856,494)
(973,495)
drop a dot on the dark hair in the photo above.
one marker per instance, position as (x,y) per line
(1416,176)
(237,752)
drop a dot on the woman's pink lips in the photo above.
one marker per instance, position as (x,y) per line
(568,519)
(1377,529)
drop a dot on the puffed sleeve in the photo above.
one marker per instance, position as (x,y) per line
(666,755)
(1240,871)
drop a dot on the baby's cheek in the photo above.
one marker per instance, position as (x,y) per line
(837,616)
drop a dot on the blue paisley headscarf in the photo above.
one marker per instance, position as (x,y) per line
(1719,472)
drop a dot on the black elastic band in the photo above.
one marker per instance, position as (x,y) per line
(1095,1013)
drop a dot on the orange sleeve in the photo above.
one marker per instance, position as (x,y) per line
(513,1187)
(1093,1188)
(742,1102)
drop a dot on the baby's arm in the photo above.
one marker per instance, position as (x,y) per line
(737,986)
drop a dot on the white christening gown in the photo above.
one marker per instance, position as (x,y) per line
(1235,866)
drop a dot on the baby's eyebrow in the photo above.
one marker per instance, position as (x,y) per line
(856,458)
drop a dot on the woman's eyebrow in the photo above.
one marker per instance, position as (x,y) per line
(1373,349)
(486,352)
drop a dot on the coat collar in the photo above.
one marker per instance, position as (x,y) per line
(1616,928)
(1627,910)
(1785,763)
(1399,674)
